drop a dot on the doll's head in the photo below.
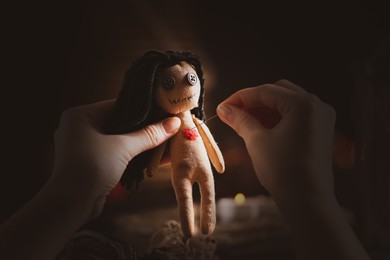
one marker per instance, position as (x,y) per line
(177,88)
(158,84)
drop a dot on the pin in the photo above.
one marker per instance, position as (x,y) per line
(214,116)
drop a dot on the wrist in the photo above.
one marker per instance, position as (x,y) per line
(319,227)
(294,203)
(55,213)
(72,196)
(304,190)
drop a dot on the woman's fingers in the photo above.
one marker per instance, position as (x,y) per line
(289,85)
(151,136)
(270,96)
(240,120)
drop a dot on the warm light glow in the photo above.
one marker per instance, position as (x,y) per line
(239,199)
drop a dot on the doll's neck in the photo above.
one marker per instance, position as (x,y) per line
(186,118)
(184,114)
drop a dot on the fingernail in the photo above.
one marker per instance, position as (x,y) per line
(225,112)
(171,125)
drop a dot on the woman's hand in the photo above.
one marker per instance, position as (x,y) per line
(86,158)
(88,164)
(294,153)
(289,136)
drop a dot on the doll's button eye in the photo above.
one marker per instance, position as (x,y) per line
(168,83)
(192,78)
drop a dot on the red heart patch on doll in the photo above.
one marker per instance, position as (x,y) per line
(190,134)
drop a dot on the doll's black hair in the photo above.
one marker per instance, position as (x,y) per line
(135,107)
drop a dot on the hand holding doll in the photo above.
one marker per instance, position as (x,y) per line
(88,165)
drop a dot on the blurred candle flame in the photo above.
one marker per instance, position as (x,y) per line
(239,199)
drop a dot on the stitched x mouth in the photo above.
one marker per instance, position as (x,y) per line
(181,100)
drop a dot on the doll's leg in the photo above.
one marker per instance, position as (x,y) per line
(183,190)
(207,191)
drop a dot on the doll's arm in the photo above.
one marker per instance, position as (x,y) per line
(212,148)
(155,159)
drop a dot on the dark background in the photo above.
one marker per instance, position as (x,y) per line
(57,55)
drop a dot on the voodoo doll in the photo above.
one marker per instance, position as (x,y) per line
(158,85)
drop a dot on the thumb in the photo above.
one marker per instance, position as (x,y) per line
(152,135)
(241,121)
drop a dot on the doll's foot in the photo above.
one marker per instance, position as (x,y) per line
(202,247)
(170,243)
(169,235)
